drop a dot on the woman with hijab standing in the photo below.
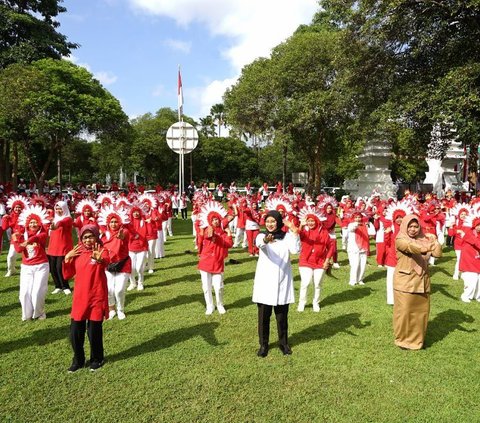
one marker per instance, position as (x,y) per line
(411,283)
(61,242)
(273,283)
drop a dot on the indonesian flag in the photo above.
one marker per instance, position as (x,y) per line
(180,94)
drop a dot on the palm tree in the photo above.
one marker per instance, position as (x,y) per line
(218,113)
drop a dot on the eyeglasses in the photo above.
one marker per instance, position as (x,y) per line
(88,237)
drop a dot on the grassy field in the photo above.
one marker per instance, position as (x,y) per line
(168,362)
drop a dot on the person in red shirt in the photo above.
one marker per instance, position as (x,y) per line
(161,219)
(137,246)
(86,210)
(149,203)
(115,239)
(88,261)
(30,241)
(316,251)
(470,258)
(459,212)
(16,204)
(252,227)
(61,242)
(213,245)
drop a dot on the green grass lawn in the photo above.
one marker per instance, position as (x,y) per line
(169,362)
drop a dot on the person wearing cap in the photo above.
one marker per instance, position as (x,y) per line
(273,282)
(411,283)
(87,261)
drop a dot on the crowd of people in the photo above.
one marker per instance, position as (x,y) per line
(120,234)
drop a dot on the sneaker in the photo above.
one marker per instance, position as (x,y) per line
(95,365)
(121,315)
(316,308)
(352,283)
(456,277)
(336,266)
(8,274)
(67,291)
(73,368)
(150,271)
(361,283)
(111,314)
(209,311)
(42,316)
(221,309)
(301,307)
(131,287)
(140,287)
(56,291)
(465,299)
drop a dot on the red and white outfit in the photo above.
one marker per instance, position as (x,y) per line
(456,224)
(213,245)
(315,251)
(34,269)
(137,247)
(252,227)
(150,203)
(470,262)
(357,249)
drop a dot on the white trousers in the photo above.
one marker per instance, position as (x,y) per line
(306,274)
(152,243)
(456,272)
(168,228)
(471,288)
(11,258)
(209,279)
(240,237)
(358,263)
(117,284)
(138,266)
(233,224)
(344,238)
(159,248)
(33,289)
(390,272)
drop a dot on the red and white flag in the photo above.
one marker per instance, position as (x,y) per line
(180,95)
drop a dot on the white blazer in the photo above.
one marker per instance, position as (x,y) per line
(273,283)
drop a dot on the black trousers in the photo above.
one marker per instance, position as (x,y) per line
(77,338)
(184,213)
(281,315)
(55,263)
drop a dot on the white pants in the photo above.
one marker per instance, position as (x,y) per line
(358,263)
(152,243)
(344,238)
(138,266)
(233,224)
(471,289)
(11,258)
(390,272)
(456,272)
(169,228)
(159,248)
(117,284)
(239,237)
(33,289)
(306,274)
(209,279)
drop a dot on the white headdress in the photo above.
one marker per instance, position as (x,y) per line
(33,211)
(107,212)
(209,210)
(276,203)
(18,199)
(85,203)
(148,198)
(402,207)
(105,197)
(308,211)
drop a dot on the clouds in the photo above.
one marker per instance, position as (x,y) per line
(251,27)
(105,77)
(179,45)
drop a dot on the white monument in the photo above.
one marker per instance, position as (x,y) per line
(376,176)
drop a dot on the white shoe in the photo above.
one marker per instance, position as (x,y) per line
(150,271)
(380,266)
(121,315)
(42,316)
(316,308)
(361,283)
(140,287)
(209,311)
(56,291)
(301,307)
(352,283)
(465,299)
(221,309)
(456,277)
(111,314)
(336,266)
(131,287)
(67,291)
(8,274)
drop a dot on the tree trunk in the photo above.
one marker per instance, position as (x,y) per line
(284,167)
(15,166)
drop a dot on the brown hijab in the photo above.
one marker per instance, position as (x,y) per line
(419,261)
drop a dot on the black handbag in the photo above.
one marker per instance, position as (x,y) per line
(116,267)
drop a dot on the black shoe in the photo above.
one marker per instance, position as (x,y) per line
(95,365)
(286,350)
(263,351)
(74,367)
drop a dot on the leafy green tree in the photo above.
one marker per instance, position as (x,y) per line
(28,31)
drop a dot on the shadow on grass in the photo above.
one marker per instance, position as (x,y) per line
(173,302)
(241,303)
(244,277)
(435,269)
(442,289)
(168,339)
(9,289)
(180,265)
(187,278)
(377,275)
(38,338)
(9,307)
(340,324)
(445,323)
(351,294)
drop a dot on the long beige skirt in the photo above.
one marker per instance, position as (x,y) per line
(410,319)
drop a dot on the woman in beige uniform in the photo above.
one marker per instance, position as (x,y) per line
(411,283)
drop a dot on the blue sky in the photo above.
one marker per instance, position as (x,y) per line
(134,47)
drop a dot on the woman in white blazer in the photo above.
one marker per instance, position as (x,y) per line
(273,283)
